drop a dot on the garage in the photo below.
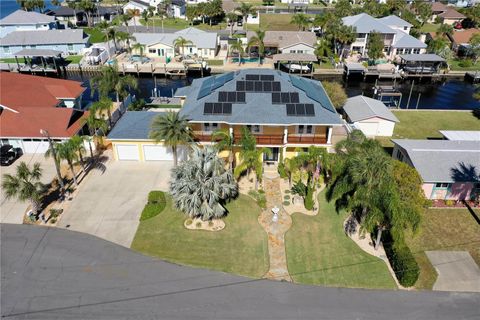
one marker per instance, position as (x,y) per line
(157,153)
(370,129)
(127,152)
(35,146)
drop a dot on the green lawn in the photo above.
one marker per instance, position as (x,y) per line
(172,23)
(455,65)
(327,64)
(443,229)
(240,248)
(95,35)
(272,22)
(430,27)
(215,62)
(11,60)
(73,59)
(319,252)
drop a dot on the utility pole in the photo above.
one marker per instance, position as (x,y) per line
(54,154)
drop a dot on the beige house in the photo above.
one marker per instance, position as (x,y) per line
(287,42)
(201,44)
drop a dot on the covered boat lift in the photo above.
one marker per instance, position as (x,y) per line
(49,60)
(421,64)
(300,59)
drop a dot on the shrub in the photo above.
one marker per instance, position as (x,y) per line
(286,203)
(210,223)
(198,224)
(449,203)
(466,63)
(52,221)
(188,222)
(403,262)
(156,203)
(476,113)
(281,171)
(299,188)
(261,191)
(287,191)
(259,196)
(54,213)
(309,198)
(287,197)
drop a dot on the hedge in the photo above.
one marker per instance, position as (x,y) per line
(403,262)
(156,203)
(309,198)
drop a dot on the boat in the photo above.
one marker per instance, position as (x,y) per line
(297,67)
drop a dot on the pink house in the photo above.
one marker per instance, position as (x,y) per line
(450,169)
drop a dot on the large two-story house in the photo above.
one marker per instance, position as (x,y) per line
(284,112)
(394,32)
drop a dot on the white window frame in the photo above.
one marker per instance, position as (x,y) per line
(304,128)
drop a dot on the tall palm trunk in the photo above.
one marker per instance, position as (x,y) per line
(81,160)
(379,237)
(90,147)
(230,159)
(35,206)
(70,164)
(175,156)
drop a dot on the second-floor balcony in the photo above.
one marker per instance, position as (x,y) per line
(307,139)
(360,40)
(268,139)
(264,139)
(202,136)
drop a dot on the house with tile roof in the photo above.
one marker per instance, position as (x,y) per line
(284,112)
(22,20)
(51,104)
(66,41)
(370,116)
(461,38)
(394,31)
(203,44)
(450,169)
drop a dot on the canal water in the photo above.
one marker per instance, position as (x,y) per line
(448,95)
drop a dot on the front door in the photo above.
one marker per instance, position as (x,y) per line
(271,157)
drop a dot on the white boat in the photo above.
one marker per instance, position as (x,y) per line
(296,67)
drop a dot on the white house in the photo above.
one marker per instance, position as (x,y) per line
(394,31)
(176,7)
(203,44)
(68,41)
(21,20)
(287,41)
(370,116)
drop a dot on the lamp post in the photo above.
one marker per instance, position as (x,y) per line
(54,154)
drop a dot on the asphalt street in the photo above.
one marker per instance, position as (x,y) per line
(50,273)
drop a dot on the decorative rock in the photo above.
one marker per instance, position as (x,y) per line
(199,224)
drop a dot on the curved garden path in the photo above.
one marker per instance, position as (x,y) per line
(275,230)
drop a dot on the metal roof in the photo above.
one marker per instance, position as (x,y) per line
(423,57)
(393,20)
(461,135)
(444,160)
(26,17)
(39,37)
(404,40)
(133,125)
(38,53)
(365,23)
(361,108)
(258,107)
(199,38)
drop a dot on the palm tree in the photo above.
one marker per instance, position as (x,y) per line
(246,9)
(125,18)
(146,16)
(109,81)
(322,20)
(171,129)
(134,13)
(106,30)
(232,18)
(301,20)
(103,106)
(237,47)
(258,41)
(225,142)
(323,50)
(88,7)
(125,38)
(25,185)
(78,144)
(94,125)
(201,186)
(138,47)
(181,42)
(66,151)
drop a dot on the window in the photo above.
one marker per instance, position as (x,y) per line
(152,51)
(405,28)
(210,127)
(305,129)
(416,51)
(442,185)
(254,128)
(6,49)
(205,52)
(33,47)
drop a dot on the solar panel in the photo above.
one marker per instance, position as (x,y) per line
(222,96)
(240,96)
(285,97)
(252,77)
(294,98)
(290,109)
(240,85)
(276,86)
(206,87)
(217,108)
(227,108)
(313,91)
(258,86)
(267,86)
(266,77)
(300,109)
(208,108)
(232,97)
(248,85)
(309,109)
(276,97)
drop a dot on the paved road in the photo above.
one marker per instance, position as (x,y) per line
(50,273)
(108,204)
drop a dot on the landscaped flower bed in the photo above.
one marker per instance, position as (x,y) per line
(454,204)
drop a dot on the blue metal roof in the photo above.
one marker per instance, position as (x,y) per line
(133,125)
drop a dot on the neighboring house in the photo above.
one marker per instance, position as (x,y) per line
(394,31)
(203,44)
(437,9)
(370,116)
(176,8)
(287,42)
(63,13)
(297,2)
(22,20)
(460,38)
(451,16)
(450,170)
(68,41)
(461,135)
(136,5)
(284,112)
(38,103)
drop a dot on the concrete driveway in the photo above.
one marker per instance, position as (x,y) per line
(109,204)
(457,271)
(12,210)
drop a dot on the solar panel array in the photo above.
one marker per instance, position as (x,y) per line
(259,83)
(213,83)
(217,108)
(235,97)
(285,97)
(300,109)
(313,92)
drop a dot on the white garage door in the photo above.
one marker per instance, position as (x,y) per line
(369,128)
(127,152)
(35,146)
(157,153)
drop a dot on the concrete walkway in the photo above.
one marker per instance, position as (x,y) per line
(275,230)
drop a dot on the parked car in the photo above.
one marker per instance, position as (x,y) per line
(8,154)
(240,23)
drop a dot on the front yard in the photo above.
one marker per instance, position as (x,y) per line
(319,252)
(443,229)
(240,248)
